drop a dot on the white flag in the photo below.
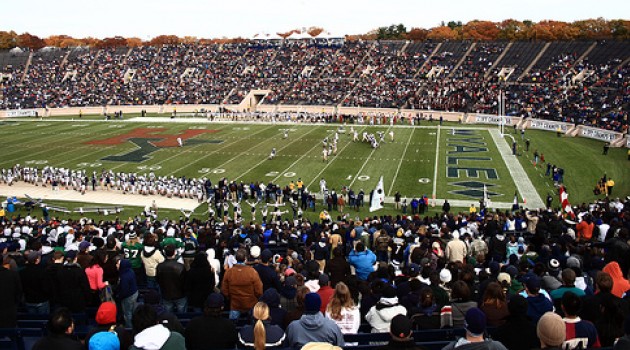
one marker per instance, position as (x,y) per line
(378,197)
(486,199)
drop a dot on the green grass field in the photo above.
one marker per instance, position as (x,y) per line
(240,152)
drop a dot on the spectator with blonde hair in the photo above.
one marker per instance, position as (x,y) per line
(342,310)
(262,334)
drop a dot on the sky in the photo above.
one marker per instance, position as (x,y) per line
(216,19)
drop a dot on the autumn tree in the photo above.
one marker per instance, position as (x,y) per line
(30,41)
(442,33)
(164,40)
(314,31)
(134,42)
(620,29)
(117,41)
(480,30)
(417,34)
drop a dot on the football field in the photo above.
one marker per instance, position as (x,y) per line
(452,162)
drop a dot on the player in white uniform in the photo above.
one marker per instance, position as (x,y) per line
(391,136)
(286,134)
(273,153)
(180,142)
(325,155)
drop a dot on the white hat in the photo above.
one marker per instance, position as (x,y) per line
(456,234)
(254,252)
(445,276)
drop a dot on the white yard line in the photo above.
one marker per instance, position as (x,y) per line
(265,159)
(331,161)
(400,163)
(236,156)
(523,184)
(365,163)
(437,159)
(292,164)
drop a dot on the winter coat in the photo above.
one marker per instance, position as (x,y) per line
(242,285)
(338,269)
(363,263)
(537,306)
(56,342)
(35,284)
(199,281)
(204,330)
(10,297)
(313,328)
(151,257)
(268,276)
(128,284)
(215,264)
(171,277)
(620,284)
(380,315)
(518,333)
(158,337)
(276,313)
(456,250)
(274,335)
(70,286)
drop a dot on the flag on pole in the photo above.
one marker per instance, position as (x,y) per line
(486,199)
(378,197)
(564,202)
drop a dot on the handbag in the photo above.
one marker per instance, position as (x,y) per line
(106,294)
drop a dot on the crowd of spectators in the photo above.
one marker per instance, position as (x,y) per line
(532,278)
(561,86)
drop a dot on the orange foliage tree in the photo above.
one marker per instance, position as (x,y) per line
(30,41)
(480,30)
(442,33)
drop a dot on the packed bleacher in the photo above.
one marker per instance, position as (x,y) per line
(482,279)
(582,82)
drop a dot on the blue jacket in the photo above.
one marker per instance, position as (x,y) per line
(363,263)
(127,285)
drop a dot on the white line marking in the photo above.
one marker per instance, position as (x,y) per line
(364,164)
(437,158)
(400,163)
(265,159)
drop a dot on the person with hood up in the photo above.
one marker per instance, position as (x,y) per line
(271,298)
(127,289)
(475,326)
(313,326)
(106,322)
(263,334)
(363,261)
(151,258)
(380,315)
(620,284)
(151,335)
(498,247)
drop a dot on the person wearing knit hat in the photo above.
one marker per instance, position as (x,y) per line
(475,329)
(551,331)
(313,326)
(106,323)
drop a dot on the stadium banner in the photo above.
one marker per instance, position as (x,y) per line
(493,119)
(599,134)
(549,125)
(16,113)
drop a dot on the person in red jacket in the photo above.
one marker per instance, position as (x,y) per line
(325,291)
(585,229)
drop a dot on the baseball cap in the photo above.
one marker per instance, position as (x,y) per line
(266,255)
(104,341)
(323,279)
(400,327)
(504,278)
(288,272)
(254,252)
(84,245)
(533,283)
(414,269)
